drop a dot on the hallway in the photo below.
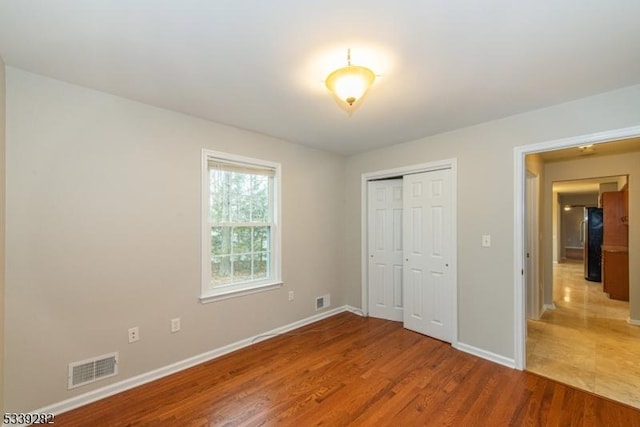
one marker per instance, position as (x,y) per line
(586,341)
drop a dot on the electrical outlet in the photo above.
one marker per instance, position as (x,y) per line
(290,295)
(175,324)
(134,334)
(486,241)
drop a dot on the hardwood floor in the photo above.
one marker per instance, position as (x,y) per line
(349,370)
(586,341)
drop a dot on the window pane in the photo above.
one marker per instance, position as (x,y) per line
(260,199)
(242,268)
(240,197)
(241,183)
(261,237)
(221,270)
(220,240)
(240,208)
(241,240)
(240,220)
(260,265)
(219,196)
(236,183)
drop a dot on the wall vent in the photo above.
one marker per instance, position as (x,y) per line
(91,370)
(323,302)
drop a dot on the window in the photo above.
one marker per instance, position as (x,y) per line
(241,235)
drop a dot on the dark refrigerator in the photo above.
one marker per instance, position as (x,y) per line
(593,224)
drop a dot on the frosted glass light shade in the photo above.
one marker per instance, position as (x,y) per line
(350,83)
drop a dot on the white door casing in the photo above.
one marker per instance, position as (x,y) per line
(519,225)
(430,297)
(385,249)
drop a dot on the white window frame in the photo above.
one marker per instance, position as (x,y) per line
(208,292)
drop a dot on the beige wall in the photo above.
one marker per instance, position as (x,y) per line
(2,226)
(103,233)
(485,202)
(594,167)
(608,186)
(103,224)
(534,164)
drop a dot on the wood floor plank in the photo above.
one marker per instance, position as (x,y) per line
(350,370)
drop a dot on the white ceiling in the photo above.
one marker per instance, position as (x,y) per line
(260,65)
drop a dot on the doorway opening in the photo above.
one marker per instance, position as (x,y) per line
(561,268)
(577,341)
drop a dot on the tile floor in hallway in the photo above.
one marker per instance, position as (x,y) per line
(586,341)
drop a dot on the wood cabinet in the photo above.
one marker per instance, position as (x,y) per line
(615,242)
(615,272)
(615,232)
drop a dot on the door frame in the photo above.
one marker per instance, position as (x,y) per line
(399,172)
(520,322)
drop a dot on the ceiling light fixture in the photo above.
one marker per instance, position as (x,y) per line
(349,84)
(586,150)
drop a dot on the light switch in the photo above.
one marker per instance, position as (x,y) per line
(486,240)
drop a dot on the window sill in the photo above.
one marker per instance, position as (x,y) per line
(214,296)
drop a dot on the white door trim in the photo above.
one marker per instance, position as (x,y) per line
(397,172)
(519,223)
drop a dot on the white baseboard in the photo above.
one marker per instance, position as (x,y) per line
(354,310)
(633,321)
(110,390)
(551,306)
(484,354)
